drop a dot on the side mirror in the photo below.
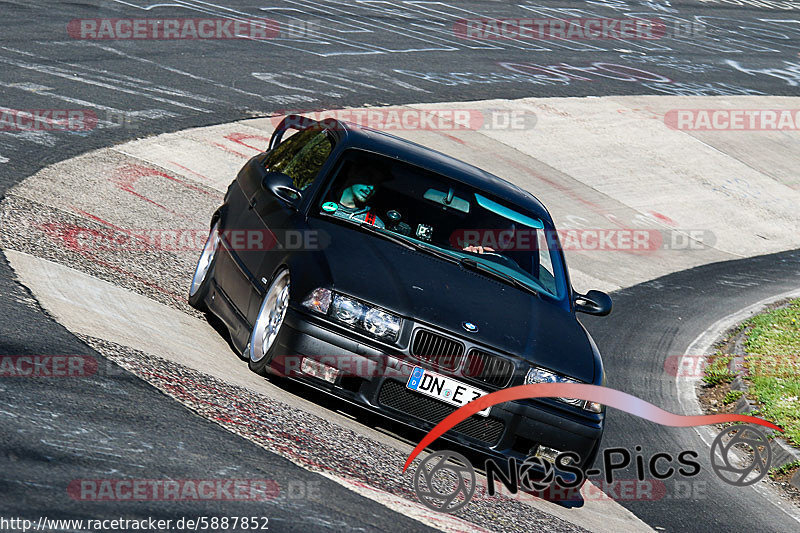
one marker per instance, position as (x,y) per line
(282,187)
(593,303)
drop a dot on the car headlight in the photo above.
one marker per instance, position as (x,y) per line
(382,324)
(347,310)
(540,375)
(318,300)
(358,315)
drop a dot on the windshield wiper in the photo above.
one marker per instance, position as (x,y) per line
(471,264)
(370,228)
(386,235)
(403,241)
(407,242)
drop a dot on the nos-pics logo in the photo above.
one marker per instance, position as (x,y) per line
(446,481)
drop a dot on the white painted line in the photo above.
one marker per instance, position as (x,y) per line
(702,345)
(687,385)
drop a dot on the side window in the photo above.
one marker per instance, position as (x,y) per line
(301,156)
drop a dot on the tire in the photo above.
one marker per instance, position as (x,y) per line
(268,323)
(203,272)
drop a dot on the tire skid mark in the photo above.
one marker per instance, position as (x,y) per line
(127,176)
(187,169)
(664,218)
(239,138)
(96,218)
(229,150)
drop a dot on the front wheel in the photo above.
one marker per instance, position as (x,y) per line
(201,280)
(268,323)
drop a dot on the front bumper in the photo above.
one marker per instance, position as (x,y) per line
(375,380)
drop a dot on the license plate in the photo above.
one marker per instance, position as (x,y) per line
(444,388)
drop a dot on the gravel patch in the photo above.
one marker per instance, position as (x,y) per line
(95,249)
(308,440)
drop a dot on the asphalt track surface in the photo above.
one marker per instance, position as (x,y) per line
(170,85)
(656,320)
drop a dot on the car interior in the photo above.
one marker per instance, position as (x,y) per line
(432,209)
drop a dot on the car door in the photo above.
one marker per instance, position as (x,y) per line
(273,216)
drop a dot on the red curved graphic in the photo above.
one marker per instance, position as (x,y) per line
(595,393)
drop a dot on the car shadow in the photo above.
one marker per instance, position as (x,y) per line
(403,433)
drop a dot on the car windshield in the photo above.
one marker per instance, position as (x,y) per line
(444,216)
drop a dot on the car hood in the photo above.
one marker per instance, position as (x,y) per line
(445,295)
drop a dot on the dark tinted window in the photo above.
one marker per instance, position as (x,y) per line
(301,156)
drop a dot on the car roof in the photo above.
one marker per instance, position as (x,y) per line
(356,136)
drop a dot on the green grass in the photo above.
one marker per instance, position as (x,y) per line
(773,345)
(784,468)
(732,396)
(717,371)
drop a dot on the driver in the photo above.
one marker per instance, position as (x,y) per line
(477,249)
(504,238)
(358,189)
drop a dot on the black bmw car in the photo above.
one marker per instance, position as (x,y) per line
(405,281)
